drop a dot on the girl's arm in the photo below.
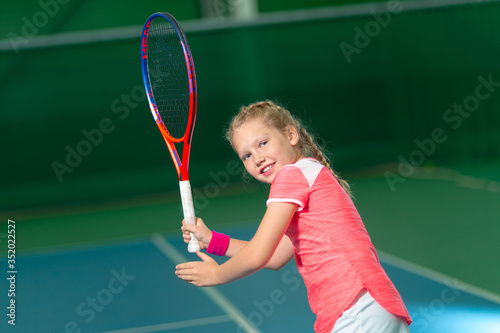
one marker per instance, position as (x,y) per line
(250,258)
(281,257)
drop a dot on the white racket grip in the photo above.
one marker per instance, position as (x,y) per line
(188,210)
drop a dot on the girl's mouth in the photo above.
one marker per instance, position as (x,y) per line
(267,168)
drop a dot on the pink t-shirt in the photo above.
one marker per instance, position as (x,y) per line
(332,249)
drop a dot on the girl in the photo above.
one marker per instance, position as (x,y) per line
(309,216)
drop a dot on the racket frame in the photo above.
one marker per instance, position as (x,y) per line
(181,165)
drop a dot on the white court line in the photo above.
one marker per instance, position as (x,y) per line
(216,296)
(438,277)
(174,325)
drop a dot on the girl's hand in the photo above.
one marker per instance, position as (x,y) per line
(200,231)
(200,273)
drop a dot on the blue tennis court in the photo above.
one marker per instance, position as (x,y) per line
(130,287)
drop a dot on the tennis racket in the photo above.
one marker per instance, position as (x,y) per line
(170,82)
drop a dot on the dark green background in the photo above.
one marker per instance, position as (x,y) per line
(368,112)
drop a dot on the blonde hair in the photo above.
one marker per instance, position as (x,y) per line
(275,116)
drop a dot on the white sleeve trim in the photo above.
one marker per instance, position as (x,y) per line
(310,168)
(300,204)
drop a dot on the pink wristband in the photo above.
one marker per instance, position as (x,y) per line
(218,244)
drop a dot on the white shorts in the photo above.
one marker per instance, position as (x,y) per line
(366,315)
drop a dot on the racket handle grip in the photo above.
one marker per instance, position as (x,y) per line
(188,210)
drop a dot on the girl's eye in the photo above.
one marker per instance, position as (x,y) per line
(263,143)
(245,157)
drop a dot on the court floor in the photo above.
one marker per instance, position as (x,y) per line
(109,267)
(131,287)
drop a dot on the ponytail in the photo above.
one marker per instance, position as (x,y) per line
(311,148)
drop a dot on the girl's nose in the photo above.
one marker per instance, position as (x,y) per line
(259,159)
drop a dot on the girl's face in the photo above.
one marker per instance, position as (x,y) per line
(265,150)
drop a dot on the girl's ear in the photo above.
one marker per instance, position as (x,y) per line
(293,135)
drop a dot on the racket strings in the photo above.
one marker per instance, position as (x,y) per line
(168,76)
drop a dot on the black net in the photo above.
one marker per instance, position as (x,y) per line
(168,76)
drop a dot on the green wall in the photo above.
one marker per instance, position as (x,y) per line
(396,88)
